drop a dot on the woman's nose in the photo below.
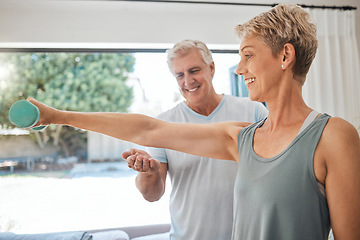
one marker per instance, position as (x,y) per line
(240,70)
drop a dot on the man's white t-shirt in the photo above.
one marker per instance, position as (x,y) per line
(201,200)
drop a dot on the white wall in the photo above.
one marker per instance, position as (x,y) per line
(117,22)
(22,146)
(114,24)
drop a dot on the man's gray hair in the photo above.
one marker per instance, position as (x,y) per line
(182,48)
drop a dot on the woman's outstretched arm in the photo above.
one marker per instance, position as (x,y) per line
(216,140)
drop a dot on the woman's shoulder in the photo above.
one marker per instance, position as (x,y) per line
(339,126)
(339,134)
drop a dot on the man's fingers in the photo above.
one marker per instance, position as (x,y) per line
(154,164)
(126,154)
(142,152)
(138,164)
(139,152)
(146,165)
(131,161)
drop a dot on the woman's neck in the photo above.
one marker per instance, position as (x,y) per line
(287,109)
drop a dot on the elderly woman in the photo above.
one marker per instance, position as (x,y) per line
(298,170)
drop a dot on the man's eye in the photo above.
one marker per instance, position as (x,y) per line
(179,76)
(195,71)
(247,56)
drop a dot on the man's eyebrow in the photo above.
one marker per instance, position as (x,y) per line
(190,69)
(194,68)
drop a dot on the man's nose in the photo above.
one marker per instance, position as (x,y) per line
(189,80)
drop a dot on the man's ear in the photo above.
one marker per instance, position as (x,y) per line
(288,56)
(212,69)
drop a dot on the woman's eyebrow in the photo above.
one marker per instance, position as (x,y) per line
(247,46)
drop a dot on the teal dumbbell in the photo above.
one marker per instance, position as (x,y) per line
(24,114)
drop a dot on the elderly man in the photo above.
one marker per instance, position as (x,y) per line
(201,202)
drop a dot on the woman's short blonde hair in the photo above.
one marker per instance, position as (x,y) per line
(285,23)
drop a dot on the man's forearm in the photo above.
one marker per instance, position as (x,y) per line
(151,186)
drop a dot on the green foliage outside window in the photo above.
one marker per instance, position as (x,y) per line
(87,82)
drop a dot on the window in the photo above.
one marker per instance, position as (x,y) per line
(55,191)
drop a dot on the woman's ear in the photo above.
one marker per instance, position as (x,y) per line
(288,56)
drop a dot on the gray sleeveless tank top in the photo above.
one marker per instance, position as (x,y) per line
(278,198)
